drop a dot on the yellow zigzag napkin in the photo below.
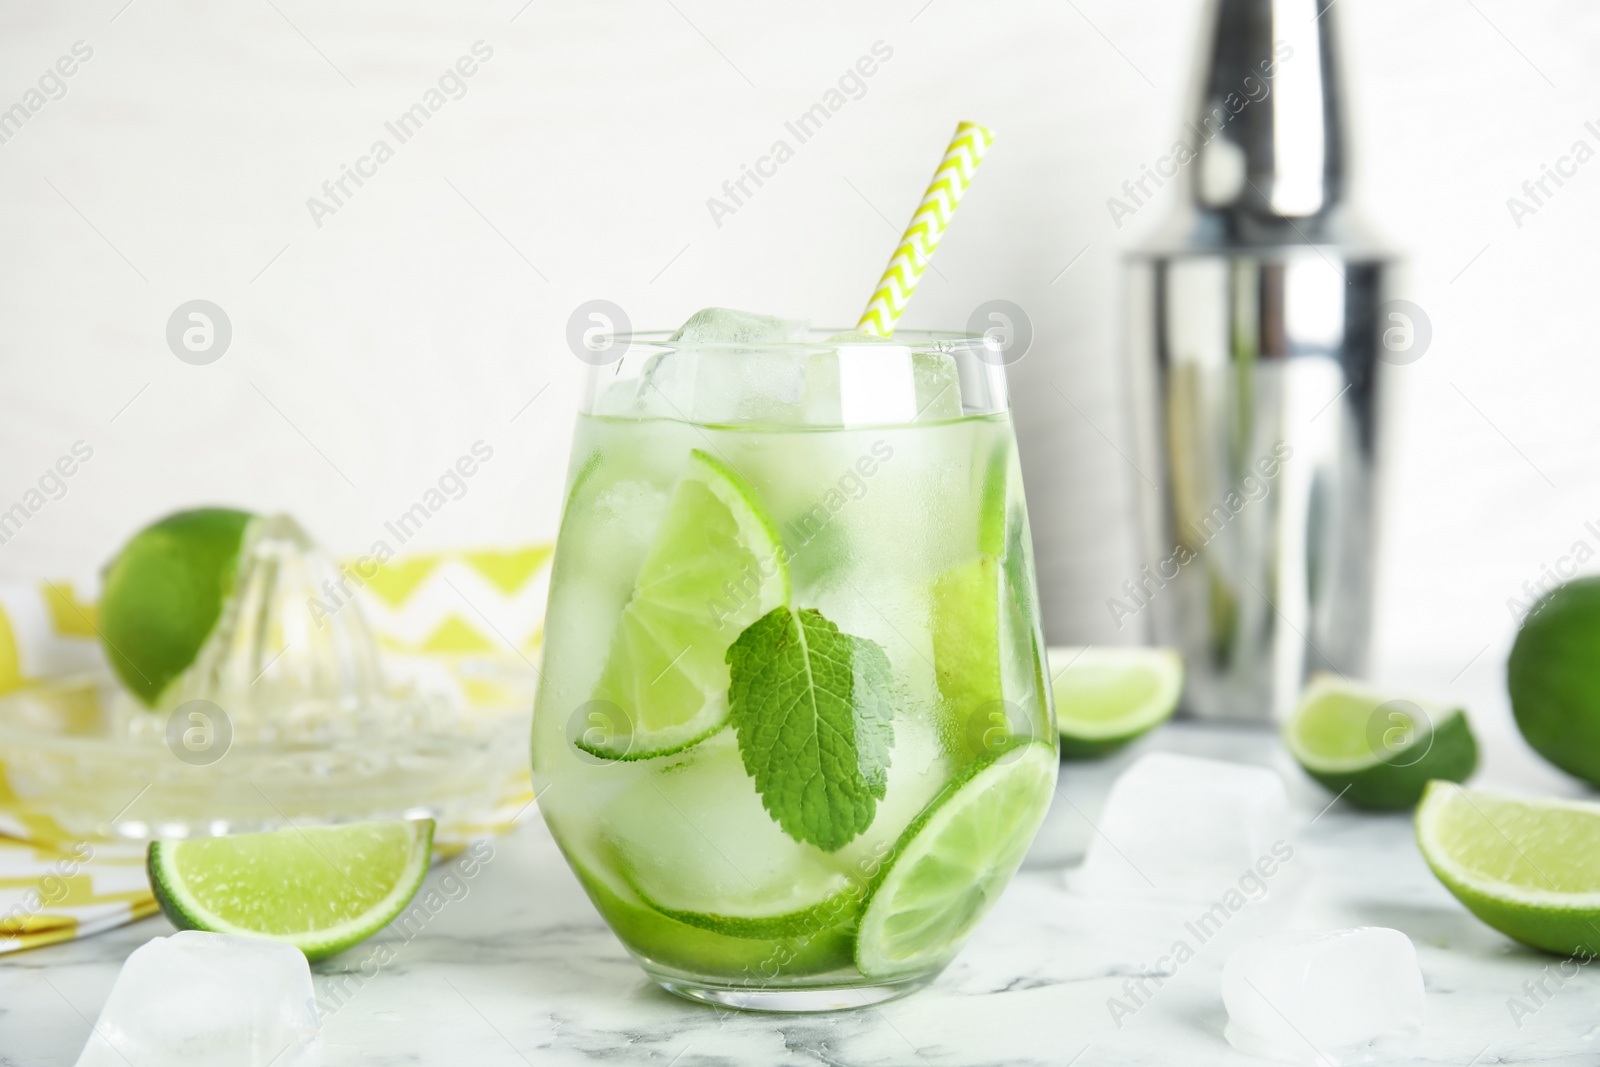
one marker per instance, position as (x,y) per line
(440,619)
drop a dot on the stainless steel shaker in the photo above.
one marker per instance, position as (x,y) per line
(1256,352)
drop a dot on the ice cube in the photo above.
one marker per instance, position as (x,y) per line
(664,388)
(877,385)
(1318,998)
(759,386)
(1188,828)
(938,385)
(202,999)
(726,326)
(918,770)
(693,836)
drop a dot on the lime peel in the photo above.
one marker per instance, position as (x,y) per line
(1525,866)
(165,592)
(285,884)
(1108,696)
(1342,736)
(665,671)
(952,862)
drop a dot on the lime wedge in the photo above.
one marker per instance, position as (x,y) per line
(1377,752)
(1551,676)
(667,942)
(1528,867)
(164,594)
(693,841)
(796,913)
(966,623)
(321,889)
(716,566)
(951,863)
(1107,696)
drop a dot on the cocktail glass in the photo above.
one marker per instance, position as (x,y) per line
(793,732)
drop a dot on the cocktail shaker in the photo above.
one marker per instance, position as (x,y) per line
(1256,351)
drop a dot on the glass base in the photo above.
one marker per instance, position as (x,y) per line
(794,999)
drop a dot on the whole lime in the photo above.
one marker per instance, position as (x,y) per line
(165,592)
(1553,676)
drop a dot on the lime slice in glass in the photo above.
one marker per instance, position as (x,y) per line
(693,841)
(950,865)
(1374,751)
(321,889)
(717,564)
(967,620)
(1528,867)
(1107,696)
(667,942)
(165,592)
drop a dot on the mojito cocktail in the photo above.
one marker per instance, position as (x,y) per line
(793,732)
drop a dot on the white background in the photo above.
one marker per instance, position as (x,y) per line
(431,308)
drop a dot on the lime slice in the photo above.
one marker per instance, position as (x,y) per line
(952,862)
(1554,687)
(693,840)
(966,625)
(321,889)
(798,912)
(1107,696)
(164,594)
(694,950)
(1527,867)
(1377,752)
(716,566)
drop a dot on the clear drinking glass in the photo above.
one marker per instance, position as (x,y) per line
(794,733)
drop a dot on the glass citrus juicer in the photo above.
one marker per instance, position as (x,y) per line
(239,701)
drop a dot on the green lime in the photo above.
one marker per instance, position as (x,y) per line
(716,566)
(966,623)
(1374,751)
(1553,681)
(693,840)
(1529,867)
(165,592)
(667,942)
(321,889)
(808,908)
(951,863)
(1107,696)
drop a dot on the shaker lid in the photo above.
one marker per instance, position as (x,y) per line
(1262,150)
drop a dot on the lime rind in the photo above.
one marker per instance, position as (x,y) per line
(1552,681)
(667,653)
(1090,729)
(1566,922)
(756,524)
(932,891)
(662,744)
(1329,736)
(668,942)
(187,912)
(165,593)
(1334,712)
(785,919)
(967,629)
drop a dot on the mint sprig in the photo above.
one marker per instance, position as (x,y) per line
(811,709)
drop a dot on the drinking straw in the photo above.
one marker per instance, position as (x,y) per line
(927,226)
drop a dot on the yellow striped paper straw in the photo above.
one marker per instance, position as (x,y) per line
(927,226)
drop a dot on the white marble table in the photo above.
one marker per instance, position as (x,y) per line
(518,968)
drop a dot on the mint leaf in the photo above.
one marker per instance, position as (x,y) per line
(810,706)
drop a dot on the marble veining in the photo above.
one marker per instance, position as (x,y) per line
(515,967)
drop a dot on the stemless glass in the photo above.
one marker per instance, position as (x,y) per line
(793,732)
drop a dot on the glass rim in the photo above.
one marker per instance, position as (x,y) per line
(930,340)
